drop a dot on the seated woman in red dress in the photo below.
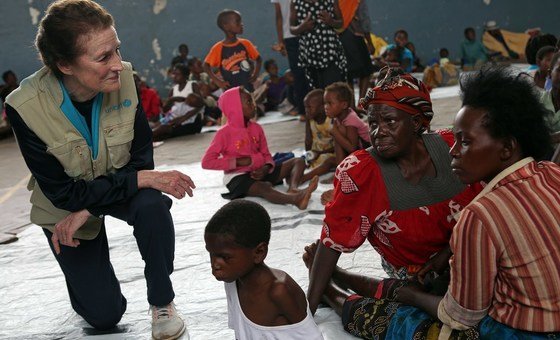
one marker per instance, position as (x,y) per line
(400,194)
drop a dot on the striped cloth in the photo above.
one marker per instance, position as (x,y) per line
(506,248)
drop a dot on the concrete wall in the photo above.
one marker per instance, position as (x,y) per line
(151,30)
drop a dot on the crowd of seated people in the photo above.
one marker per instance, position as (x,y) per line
(466,221)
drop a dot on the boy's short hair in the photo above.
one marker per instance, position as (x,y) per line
(224,16)
(536,43)
(6,74)
(443,52)
(513,106)
(401,31)
(543,51)
(316,93)
(467,30)
(184,69)
(343,92)
(268,63)
(247,221)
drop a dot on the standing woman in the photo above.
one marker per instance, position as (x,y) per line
(86,141)
(320,51)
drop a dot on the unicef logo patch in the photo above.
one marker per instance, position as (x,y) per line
(125,103)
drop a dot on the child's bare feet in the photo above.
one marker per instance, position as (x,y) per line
(306,194)
(309,254)
(327,196)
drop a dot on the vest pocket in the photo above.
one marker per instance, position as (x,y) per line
(72,156)
(119,142)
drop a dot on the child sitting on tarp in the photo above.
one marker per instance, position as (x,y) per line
(241,151)
(276,85)
(442,72)
(262,302)
(319,143)
(544,58)
(179,118)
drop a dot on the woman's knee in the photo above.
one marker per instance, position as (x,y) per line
(104,317)
(150,200)
(147,205)
(105,322)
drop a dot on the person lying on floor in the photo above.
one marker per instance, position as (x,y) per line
(504,270)
(240,149)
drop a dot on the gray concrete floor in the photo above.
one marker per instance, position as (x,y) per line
(282,137)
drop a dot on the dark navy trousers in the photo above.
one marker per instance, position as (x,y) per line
(94,290)
(301,86)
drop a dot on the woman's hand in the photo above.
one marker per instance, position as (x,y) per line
(307,24)
(173,182)
(65,229)
(326,18)
(437,263)
(280,47)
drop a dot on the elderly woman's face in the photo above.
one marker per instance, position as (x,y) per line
(98,68)
(476,155)
(391,131)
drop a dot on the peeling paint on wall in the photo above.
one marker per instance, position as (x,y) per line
(156,48)
(34,13)
(159,5)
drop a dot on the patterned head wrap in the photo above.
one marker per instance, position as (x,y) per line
(403,92)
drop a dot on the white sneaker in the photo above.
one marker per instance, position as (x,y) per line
(167,324)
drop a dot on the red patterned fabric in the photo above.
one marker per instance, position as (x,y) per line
(361,210)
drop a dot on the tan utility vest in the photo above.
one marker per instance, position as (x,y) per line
(38,101)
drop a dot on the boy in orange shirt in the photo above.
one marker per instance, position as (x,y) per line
(237,60)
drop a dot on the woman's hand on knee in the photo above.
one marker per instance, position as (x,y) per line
(173,182)
(65,229)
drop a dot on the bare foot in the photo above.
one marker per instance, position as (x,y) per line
(304,200)
(309,254)
(327,196)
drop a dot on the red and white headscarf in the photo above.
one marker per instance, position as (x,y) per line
(403,92)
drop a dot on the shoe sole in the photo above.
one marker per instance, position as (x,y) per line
(175,336)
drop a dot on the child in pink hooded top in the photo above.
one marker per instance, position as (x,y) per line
(241,151)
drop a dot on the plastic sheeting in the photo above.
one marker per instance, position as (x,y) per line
(269,118)
(34,303)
